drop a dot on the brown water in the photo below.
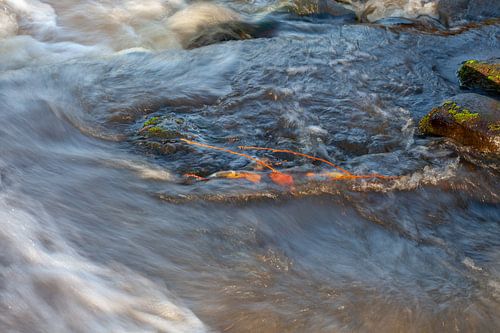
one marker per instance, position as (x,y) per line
(99,233)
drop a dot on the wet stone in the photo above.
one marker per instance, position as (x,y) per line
(454,12)
(481,75)
(161,134)
(235,30)
(469,119)
(317,8)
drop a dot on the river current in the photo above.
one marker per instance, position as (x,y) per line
(99,232)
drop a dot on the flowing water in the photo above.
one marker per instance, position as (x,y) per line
(100,233)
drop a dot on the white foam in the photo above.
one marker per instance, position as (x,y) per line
(18,51)
(379,9)
(428,176)
(8,23)
(471,264)
(58,30)
(50,287)
(145,171)
(117,24)
(300,70)
(37,17)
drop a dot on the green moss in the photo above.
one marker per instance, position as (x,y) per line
(158,132)
(494,78)
(494,127)
(452,108)
(155,131)
(425,124)
(448,103)
(461,115)
(480,75)
(152,121)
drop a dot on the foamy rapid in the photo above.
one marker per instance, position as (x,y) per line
(110,222)
(49,31)
(110,25)
(374,10)
(8,23)
(71,28)
(46,284)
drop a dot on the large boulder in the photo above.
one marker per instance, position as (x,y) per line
(205,23)
(469,119)
(233,30)
(481,75)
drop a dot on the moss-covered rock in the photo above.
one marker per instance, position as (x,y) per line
(151,121)
(482,75)
(164,127)
(160,134)
(469,119)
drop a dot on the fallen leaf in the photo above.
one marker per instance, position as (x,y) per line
(281,178)
(252,177)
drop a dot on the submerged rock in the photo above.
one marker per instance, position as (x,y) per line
(161,134)
(204,23)
(234,30)
(316,8)
(454,12)
(469,119)
(483,75)
(450,13)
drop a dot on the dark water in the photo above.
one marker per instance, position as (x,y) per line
(100,233)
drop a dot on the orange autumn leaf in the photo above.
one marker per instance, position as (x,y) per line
(252,177)
(276,176)
(281,178)
(195,176)
(327,175)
